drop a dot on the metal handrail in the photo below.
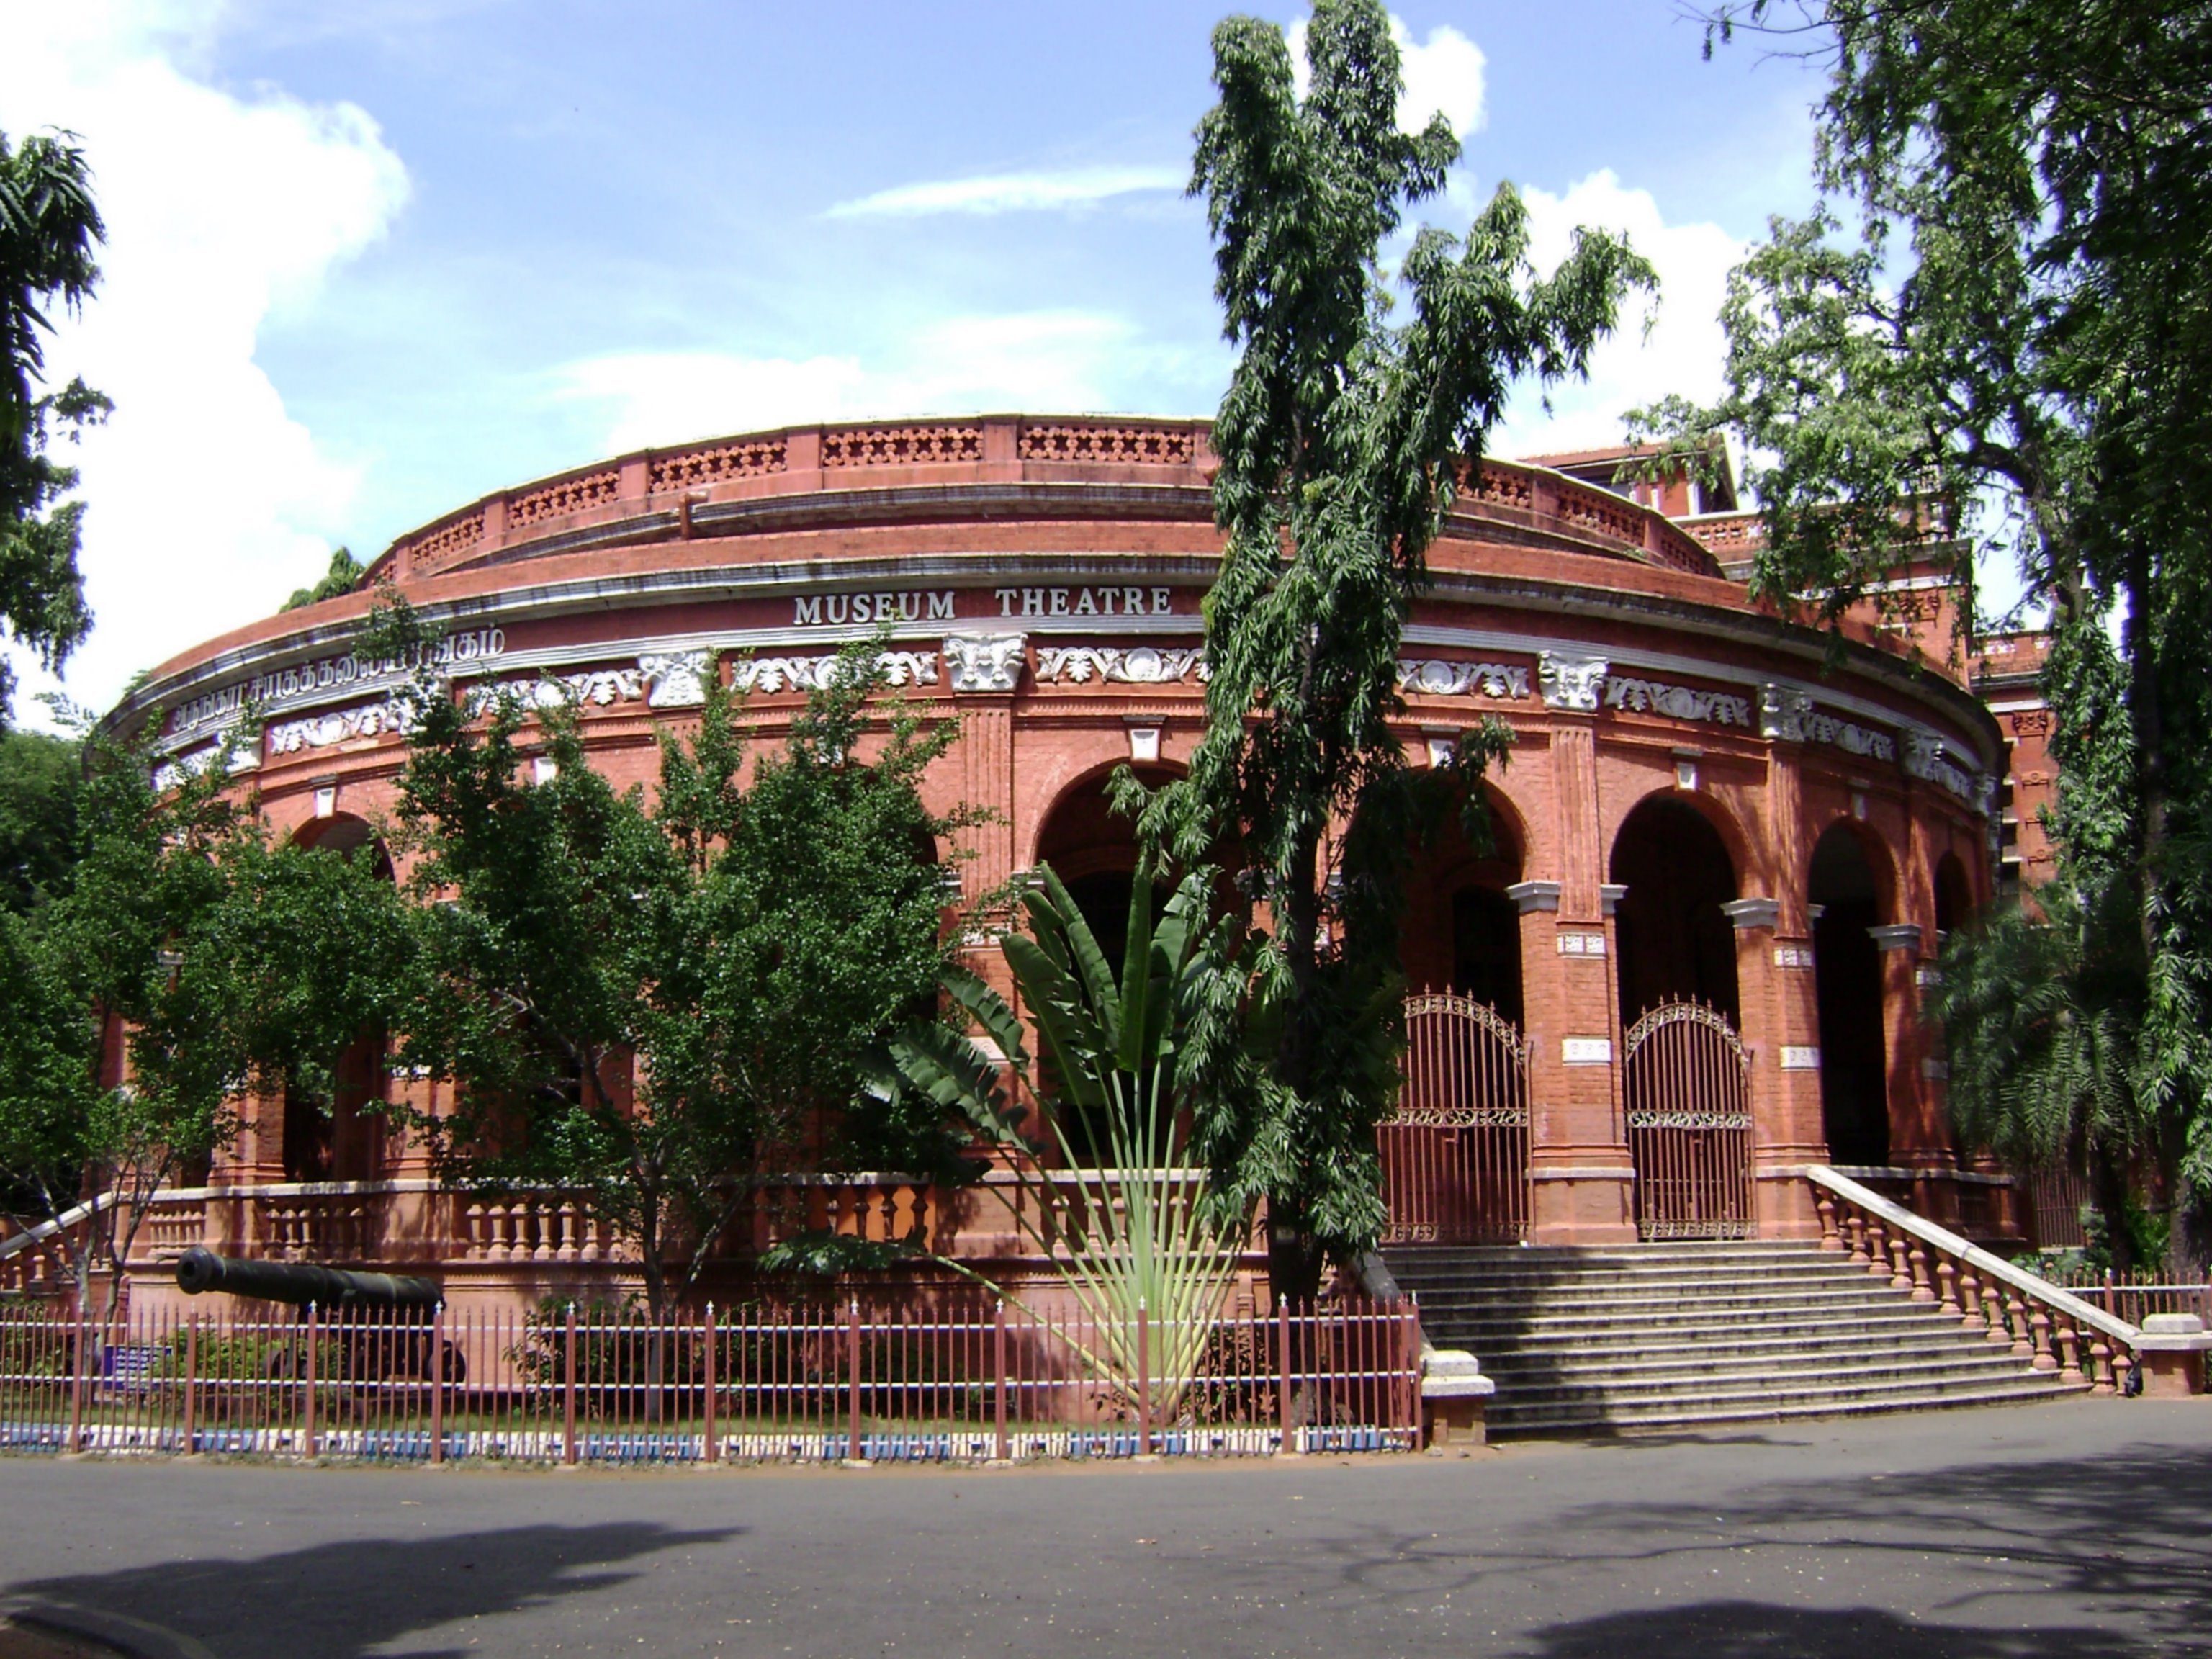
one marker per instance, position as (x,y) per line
(1995,1267)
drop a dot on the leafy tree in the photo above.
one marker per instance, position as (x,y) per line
(49,227)
(38,817)
(342,577)
(663,1010)
(1997,343)
(1342,439)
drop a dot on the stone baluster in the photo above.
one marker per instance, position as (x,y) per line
(502,1231)
(1994,1305)
(1858,1239)
(2016,1324)
(2103,1377)
(1970,1301)
(1921,1290)
(1947,1277)
(1827,1208)
(2040,1323)
(1900,1260)
(1877,1264)
(2070,1352)
(472,1230)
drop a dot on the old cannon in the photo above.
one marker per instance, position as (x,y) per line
(380,1321)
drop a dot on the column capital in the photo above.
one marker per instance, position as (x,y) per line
(1900,936)
(1528,895)
(1609,895)
(1747,914)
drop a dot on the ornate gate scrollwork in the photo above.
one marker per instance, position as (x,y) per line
(1455,1150)
(1686,1081)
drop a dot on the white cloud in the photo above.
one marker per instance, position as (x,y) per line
(1050,360)
(1444,75)
(1011,192)
(1684,350)
(208,501)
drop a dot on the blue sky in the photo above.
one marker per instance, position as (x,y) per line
(370,261)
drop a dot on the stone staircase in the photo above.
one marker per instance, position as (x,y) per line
(1644,1337)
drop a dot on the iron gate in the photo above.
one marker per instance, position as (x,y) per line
(1686,1082)
(1455,1150)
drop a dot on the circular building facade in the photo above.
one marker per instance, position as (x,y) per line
(1689,967)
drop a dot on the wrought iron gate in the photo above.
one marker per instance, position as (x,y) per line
(1687,1085)
(1456,1151)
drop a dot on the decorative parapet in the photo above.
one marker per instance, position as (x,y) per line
(901,446)
(560,499)
(742,458)
(1117,446)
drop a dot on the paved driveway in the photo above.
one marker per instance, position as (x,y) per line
(2077,1528)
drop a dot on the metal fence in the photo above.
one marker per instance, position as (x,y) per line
(960,1381)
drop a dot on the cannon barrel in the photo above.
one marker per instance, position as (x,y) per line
(301,1283)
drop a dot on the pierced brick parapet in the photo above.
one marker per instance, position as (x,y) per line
(711,463)
(564,497)
(901,446)
(1128,446)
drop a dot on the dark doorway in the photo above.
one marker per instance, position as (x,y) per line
(1675,943)
(1486,949)
(1847,968)
(1955,896)
(1459,932)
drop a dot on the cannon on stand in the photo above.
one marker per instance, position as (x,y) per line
(381,1322)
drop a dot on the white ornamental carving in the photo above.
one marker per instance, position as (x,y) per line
(344,725)
(675,680)
(1142,665)
(1827,728)
(1436,678)
(1681,702)
(1782,713)
(985,662)
(1926,758)
(600,687)
(773,674)
(1571,682)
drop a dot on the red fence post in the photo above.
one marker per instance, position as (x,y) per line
(712,1450)
(308,1396)
(1143,1381)
(998,1401)
(569,1392)
(192,1381)
(853,1375)
(438,1384)
(1289,1446)
(76,1380)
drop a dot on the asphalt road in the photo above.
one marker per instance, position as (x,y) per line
(2081,1528)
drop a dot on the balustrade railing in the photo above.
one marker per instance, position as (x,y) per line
(2052,1328)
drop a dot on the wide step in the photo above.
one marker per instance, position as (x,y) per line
(1648,1338)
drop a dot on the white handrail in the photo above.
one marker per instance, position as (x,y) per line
(1982,1262)
(46,1230)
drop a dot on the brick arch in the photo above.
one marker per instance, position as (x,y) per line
(1881,861)
(1747,857)
(343,832)
(1460,932)
(1674,940)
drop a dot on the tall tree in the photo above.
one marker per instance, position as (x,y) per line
(1342,438)
(663,1009)
(1998,341)
(49,227)
(38,817)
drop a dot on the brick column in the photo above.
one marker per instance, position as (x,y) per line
(1780,1031)
(1919,1138)
(1583,1183)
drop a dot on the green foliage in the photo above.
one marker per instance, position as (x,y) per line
(1342,438)
(49,227)
(833,1255)
(1135,1231)
(342,577)
(2002,354)
(662,1009)
(38,817)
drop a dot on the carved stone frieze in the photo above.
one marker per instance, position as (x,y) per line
(674,680)
(985,662)
(1436,677)
(1571,682)
(340,726)
(1783,713)
(774,674)
(1142,665)
(1681,703)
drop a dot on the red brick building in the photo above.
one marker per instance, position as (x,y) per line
(1724,855)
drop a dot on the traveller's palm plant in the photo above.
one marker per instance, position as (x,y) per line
(1127,1222)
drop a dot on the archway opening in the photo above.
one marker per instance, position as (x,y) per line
(1093,851)
(342,1139)
(1954,895)
(1674,942)
(1460,932)
(1847,971)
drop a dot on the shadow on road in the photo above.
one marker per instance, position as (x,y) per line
(1753,1630)
(340,1599)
